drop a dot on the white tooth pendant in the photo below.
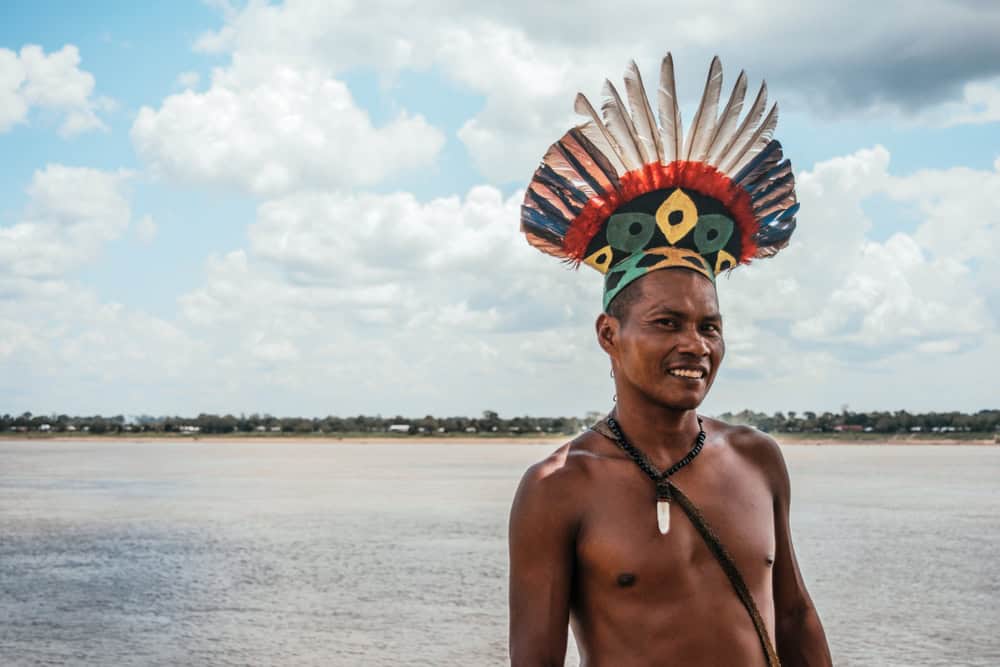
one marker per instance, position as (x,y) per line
(663,496)
(663,516)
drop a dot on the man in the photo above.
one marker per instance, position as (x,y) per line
(661,536)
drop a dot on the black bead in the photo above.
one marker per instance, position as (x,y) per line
(644,463)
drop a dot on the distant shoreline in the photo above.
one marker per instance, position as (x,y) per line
(808,439)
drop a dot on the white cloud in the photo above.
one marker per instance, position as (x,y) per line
(60,344)
(895,293)
(378,302)
(71,213)
(188,79)
(345,301)
(528,59)
(958,207)
(835,285)
(274,130)
(13,106)
(390,259)
(383,302)
(64,349)
(979,104)
(34,79)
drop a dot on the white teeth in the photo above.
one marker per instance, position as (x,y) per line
(684,373)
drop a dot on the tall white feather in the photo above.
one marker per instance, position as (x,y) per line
(705,118)
(747,127)
(645,125)
(757,141)
(727,120)
(620,124)
(671,128)
(598,133)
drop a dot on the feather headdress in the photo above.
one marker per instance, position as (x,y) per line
(627,195)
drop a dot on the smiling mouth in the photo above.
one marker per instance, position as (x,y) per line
(687,373)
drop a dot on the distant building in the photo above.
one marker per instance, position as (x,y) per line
(45,427)
(399,428)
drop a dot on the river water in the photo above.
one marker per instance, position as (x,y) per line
(215,553)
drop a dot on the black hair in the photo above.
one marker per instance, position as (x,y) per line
(622,302)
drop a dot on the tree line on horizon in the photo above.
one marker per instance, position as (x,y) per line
(899,421)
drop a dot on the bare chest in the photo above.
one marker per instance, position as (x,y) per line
(620,547)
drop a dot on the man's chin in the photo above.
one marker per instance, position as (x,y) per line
(687,405)
(686,401)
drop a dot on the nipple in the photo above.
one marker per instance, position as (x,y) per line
(626,579)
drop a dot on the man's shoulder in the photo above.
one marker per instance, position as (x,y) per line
(754,446)
(544,496)
(570,467)
(568,464)
(745,438)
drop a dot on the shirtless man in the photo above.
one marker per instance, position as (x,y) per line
(594,540)
(584,544)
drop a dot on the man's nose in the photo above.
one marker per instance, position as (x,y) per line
(692,342)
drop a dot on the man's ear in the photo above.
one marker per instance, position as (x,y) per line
(607,333)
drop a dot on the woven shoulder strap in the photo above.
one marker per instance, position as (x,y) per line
(721,555)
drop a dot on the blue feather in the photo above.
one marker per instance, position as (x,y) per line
(789,212)
(787,181)
(768,152)
(539,224)
(568,194)
(545,206)
(783,169)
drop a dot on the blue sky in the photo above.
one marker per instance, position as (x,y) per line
(243,260)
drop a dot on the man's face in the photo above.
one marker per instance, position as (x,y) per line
(668,347)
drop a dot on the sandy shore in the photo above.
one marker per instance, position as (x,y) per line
(890,441)
(293,440)
(782,438)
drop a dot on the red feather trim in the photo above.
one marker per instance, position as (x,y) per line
(697,176)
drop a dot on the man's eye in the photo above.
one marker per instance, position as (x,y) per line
(710,327)
(666,322)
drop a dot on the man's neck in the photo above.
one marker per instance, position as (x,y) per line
(664,434)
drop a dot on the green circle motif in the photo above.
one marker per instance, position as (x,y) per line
(630,232)
(712,222)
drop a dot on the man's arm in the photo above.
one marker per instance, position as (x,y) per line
(541,566)
(800,637)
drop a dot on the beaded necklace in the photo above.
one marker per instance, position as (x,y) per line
(663,486)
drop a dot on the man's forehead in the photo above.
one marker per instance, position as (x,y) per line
(678,290)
